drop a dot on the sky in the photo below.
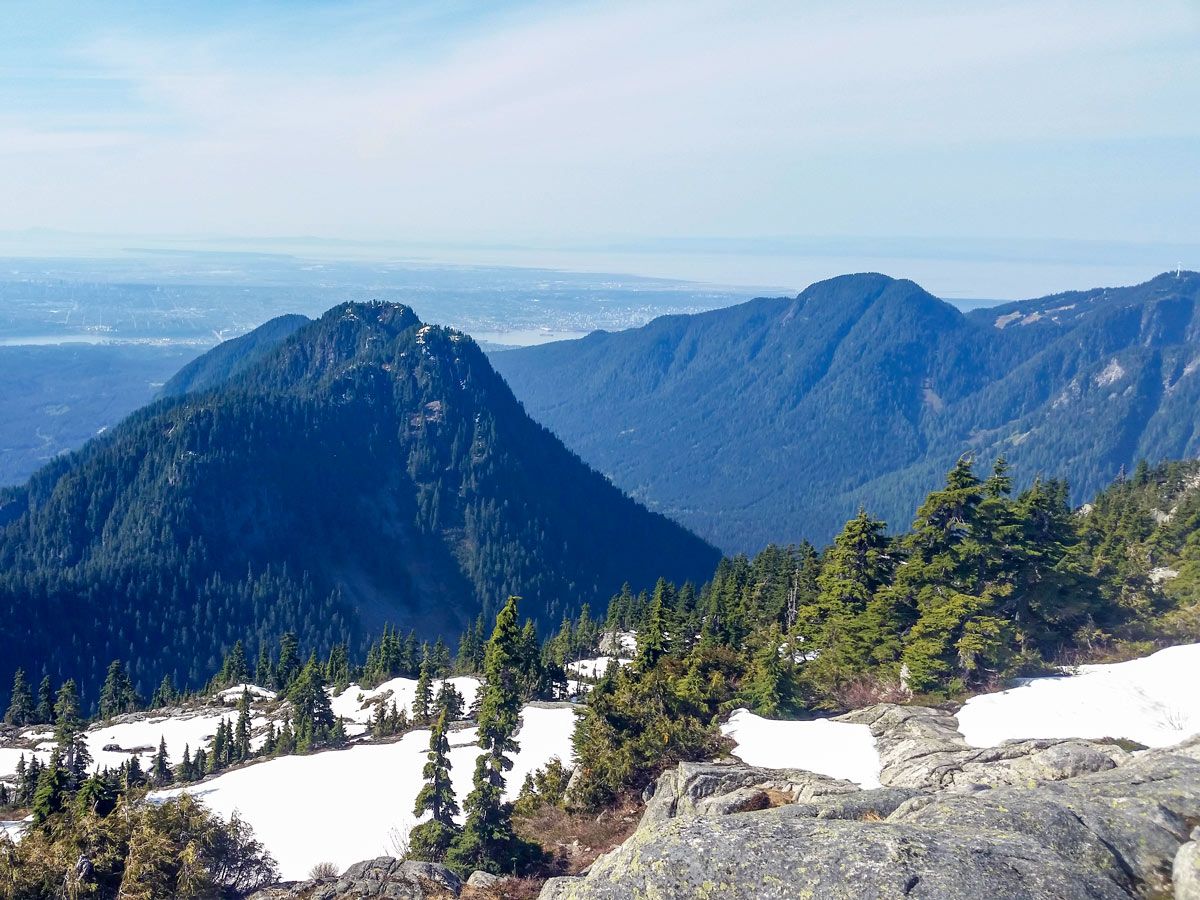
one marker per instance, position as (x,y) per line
(572,126)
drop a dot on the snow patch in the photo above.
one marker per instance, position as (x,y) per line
(233,695)
(836,749)
(348,805)
(1152,700)
(1112,373)
(595,668)
(1003,322)
(358,705)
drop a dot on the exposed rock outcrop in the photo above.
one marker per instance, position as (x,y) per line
(384,877)
(1037,819)
(1186,870)
(921,747)
(723,787)
(1110,834)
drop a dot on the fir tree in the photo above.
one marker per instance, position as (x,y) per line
(241,737)
(164,694)
(431,840)
(51,791)
(160,769)
(117,695)
(45,707)
(185,771)
(487,841)
(235,669)
(21,710)
(449,702)
(423,698)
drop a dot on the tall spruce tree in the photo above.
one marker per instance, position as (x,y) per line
(117,694)
(21,709)
(45,707)
(423,697)
(432,840)
(487,841)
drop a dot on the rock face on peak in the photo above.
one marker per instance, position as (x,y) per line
(774,420)
(1118,830)
(325,479)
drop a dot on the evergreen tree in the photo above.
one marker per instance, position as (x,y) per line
(235,670)
(431,840)
(241,738)
(160,769)
(164,694)
(45,707)
(51,791)
(95,797)
(449,702)
(21,710)
(185,771)
(312,713)
(117,695)
(423,698)
(288,665)
(264,672)
(487,841)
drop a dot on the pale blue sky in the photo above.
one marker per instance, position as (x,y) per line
(594,123)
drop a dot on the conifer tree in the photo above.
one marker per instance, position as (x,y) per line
(423,698)
(160,769)
(264,672)
(241,738)
(185,772)
(440,659)
(431,840)
(21,709)
(288,665)
(450,702)
(487,841)
(51,791)
(45,707)
(164,694)
(235,669)
(117,695)
(95,797)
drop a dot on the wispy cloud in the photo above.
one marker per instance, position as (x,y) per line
(607,119)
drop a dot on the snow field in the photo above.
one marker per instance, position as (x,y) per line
(9,757)
(195,731)
(1154,700)
(343,806)
(357,705)
(836,749)
(595,668)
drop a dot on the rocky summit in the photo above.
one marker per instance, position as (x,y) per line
(1068,820)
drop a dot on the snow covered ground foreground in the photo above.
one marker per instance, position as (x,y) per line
(836,749)
(343,806)
(1154,700)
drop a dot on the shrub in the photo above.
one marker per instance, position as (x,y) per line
(322,871)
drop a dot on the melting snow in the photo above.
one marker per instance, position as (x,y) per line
(595,668)
(357,705)
(1153,700)
(347,805)
(1112,373)
(837,749)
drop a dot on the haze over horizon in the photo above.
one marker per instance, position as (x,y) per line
(765,144)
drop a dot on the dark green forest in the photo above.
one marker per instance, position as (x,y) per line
(774,420)
(985,585)
(365,469)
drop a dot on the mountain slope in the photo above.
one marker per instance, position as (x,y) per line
(367,468)
(775,419)
(232,356)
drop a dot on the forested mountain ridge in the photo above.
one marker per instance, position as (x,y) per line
(366,468)
(231,357)
(775,419)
